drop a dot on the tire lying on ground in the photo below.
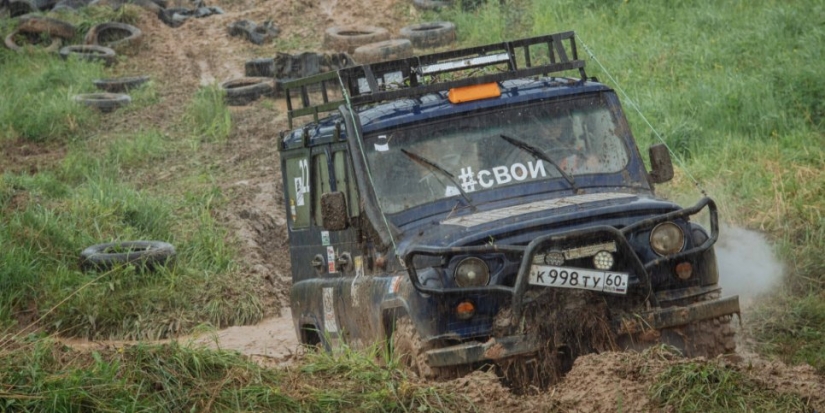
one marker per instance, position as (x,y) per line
(432,34)
(348,38)
(244,90)
(105,102)
(383,51)
(33,39)
(143,254)
(121,84)
(263,67)
(90,53)
(117,36)
(52,27)
(430,4)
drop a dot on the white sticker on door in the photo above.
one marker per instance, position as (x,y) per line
(330,325)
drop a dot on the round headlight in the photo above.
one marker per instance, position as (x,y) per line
(667,238)
(472,272)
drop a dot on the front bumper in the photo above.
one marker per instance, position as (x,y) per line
(503,347)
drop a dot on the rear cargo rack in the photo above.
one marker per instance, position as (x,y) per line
(416,76)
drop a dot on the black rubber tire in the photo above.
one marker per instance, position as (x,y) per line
(429,35)
(431,4)
(91,53)
(173,17)
(19,8)
(105,102)
(52,27)
(116,36)
(54,44)
(383,51)
(244,90)
(263,67)
(121,84)
(143,254)
(348,38)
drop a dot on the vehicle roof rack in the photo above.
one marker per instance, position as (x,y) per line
(416,76)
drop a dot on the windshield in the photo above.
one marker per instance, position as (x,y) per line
(487,150)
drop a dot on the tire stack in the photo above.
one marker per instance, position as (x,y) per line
(370,44)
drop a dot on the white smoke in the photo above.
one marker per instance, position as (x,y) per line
(747,264)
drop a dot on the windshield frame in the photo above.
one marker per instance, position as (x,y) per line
(632,178)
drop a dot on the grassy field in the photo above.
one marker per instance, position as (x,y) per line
(102,187)
(733,87)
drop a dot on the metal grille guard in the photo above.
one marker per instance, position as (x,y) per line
(520,285)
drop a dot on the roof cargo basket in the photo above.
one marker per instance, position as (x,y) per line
(420,75)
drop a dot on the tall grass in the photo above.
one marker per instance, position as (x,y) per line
(43,375)
(37,103)
(735,88)
(207,115)
(51,216)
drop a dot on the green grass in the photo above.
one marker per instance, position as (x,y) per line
(736,90)
(39,374)
(208,116)
(709,386)
(52,216)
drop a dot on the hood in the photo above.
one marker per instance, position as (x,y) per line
(520,224)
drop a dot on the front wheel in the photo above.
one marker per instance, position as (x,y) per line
(409,348)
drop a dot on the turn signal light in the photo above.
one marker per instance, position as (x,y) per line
(474,92)
(465,310)
(684,270)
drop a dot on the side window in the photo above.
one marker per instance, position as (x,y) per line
(320,181)
(297,179)
(345,181)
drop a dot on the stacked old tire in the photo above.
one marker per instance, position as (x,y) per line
(39,31)
(370,44)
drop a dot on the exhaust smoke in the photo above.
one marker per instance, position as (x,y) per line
(747,264)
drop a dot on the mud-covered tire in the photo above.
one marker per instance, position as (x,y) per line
(116,36)
(54,42)
(105,102)
(90,53)
(52,27)
(121,84)
(409,349)
(263,67)
(348,38)
(142,254)
(242,91)
(383,51)
(429,35)
(707,338)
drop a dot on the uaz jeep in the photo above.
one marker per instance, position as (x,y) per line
(472,208)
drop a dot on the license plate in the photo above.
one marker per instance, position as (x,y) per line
(564,277)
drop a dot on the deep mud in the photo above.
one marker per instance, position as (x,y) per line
(181,60)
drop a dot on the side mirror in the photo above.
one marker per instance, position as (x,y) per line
(334,211)
(661,167)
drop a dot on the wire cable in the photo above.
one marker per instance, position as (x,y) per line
(636,107)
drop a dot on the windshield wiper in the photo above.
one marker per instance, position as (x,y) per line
(538,153)
(435,167)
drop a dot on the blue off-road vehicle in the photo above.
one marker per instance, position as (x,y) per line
(483,206)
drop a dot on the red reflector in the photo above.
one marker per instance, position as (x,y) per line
(474,92)
(684,270)
(465,310)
